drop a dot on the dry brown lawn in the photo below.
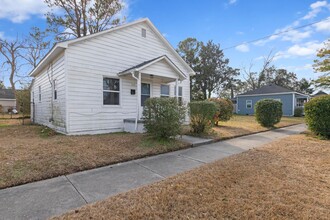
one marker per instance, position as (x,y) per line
(287,179)
(242,125)
(30,153)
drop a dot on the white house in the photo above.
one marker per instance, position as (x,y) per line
(93,84)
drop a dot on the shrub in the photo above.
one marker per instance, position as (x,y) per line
(317,115)
(298,112)
(163,117)
(1,108)
(201,116)
(268,112)
(224,109)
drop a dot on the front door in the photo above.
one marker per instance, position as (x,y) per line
(145,94)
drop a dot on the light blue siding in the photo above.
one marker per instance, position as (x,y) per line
(286,99)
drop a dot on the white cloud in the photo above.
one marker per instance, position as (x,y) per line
(323,26)
(20,10)
(243,48)
(316,8)
(307,49)
(232,2)
(239,32)
(296,36)
(2,35)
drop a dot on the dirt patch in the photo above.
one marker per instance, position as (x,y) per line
(287,179)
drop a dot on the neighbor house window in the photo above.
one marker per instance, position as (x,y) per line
(55,89)
(111,91)
(248,103)
(164,91)
(145,92)
(180,94)
(39,94)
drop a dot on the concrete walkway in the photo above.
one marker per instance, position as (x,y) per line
(43,199)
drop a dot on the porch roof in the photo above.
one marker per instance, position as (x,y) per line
(141,66)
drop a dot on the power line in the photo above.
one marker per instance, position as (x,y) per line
(275,34)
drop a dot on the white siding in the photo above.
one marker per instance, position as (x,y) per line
(105,56)
(48,108)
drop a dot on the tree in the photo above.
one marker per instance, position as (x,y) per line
(11,51)
(304,86)
(232,85)
(23,98)
(36,46)
(212,69)
(189,49)
(2,85)
(78,18)
(323,65)
(256,80)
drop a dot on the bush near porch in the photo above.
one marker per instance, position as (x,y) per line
(163,117)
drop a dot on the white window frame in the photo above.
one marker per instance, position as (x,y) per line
(247,103)
(180,97)
(113,91)
(144,33)
(164,95)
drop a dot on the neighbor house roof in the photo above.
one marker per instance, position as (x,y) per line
(269,89)
(147,63)
(7,94)
(58,48)
(320,93)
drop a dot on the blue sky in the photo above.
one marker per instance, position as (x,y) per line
(227,22)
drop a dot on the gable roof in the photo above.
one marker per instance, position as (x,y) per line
(268,89)
(145,64)
(61,46)
(7,94)
(319,93)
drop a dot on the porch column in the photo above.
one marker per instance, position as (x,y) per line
(138,101)
(177,89)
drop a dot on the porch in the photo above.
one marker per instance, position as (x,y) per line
(158,77)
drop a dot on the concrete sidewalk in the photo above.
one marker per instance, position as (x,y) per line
(43,199)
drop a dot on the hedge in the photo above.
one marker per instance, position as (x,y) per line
(317,115)
(224,109)
(163,117)
(201,116)
(268,112)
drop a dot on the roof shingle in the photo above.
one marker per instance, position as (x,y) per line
(7,94)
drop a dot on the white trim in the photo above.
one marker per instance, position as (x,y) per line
(293,103)
(279,93)
(7,99)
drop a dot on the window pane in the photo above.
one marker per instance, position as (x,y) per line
(110,98)
(165,90)
(111,84)
(180,90)
(144,98)
(145,89)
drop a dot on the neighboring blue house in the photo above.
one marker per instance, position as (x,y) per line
(289,98)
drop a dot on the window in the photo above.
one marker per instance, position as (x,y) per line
(55,90)
(111,91)
(180,94)
(39,93)
(248,103)
(144,33)
(145,92)
(164,91)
